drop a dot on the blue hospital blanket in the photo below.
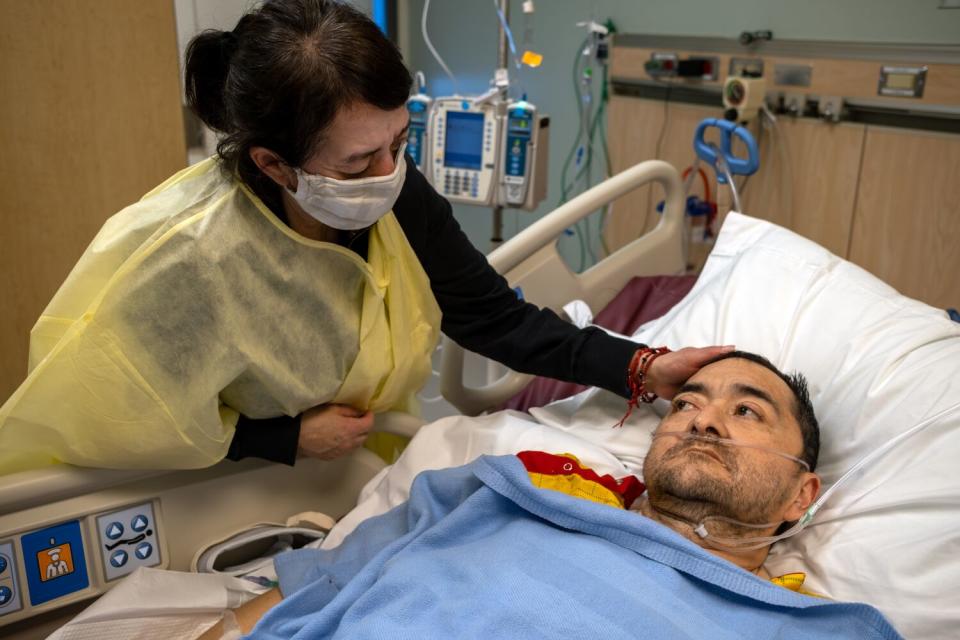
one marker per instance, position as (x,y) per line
(479,552)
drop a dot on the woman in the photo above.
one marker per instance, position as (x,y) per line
(270,300)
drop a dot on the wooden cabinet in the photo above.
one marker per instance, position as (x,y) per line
(807,181)
(886,199)
(906,226)
(90,120)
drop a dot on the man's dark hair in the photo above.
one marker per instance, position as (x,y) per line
(280,77)
(802,407)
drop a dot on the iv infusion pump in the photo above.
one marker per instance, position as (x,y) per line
(475,152)
(419,108)
(463,150)
(525,149)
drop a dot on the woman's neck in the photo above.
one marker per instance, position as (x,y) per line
(306,225)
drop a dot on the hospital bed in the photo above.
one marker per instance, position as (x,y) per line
(180,512)
(878,363)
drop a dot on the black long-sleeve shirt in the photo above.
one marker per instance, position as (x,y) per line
(480,312)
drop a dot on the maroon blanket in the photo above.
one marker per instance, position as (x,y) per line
(642,300)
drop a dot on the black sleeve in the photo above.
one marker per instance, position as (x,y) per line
(273,439)
(482,313)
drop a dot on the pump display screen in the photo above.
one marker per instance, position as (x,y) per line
(464,140)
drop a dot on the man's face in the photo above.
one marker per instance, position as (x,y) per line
(739,400)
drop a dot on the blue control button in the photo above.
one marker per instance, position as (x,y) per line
(139,523)
(118,558)
(3,564)
(6,595)
(114,530)
(144,549)
(54,562)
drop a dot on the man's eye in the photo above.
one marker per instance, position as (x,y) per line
(681,405)
(745,411)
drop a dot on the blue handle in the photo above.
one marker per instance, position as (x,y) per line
(707,151)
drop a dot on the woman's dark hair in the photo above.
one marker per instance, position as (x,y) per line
(280,77)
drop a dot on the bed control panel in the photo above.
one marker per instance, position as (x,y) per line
(127,540)
(72,556)
(9,588)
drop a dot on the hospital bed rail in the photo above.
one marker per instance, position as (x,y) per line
(530,261)
(189,509)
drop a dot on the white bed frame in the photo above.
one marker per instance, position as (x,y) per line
(196,507)
(530,261)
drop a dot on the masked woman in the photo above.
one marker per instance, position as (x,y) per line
(270,300)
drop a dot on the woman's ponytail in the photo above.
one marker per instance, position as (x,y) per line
(207,66)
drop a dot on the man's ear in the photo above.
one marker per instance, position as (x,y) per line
(273,166)
(804,497)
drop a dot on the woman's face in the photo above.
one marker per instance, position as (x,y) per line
(362,142)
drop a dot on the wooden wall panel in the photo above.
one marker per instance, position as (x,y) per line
(633,129)
(807,180)
(906,227)
(636,126)
(90,120)
(807,185)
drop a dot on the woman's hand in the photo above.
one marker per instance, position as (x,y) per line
(668,372)
(329,431)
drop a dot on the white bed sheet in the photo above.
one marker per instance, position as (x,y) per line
(582,425)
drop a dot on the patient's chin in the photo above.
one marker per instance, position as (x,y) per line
(690,486)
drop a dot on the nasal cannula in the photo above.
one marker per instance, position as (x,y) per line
(745,544)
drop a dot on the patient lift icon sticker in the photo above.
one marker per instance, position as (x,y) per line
(55,562)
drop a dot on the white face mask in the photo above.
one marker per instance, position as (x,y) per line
(350,204)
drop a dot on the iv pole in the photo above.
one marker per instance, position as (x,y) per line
(503,58)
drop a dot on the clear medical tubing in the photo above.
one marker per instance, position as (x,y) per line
(686,435)
(746,544)
(426,39)
(506,28)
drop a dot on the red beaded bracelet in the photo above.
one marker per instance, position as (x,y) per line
(637,378)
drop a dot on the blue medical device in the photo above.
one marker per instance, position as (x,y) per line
(717,157)
(519,138)
(481,151)
(418,106)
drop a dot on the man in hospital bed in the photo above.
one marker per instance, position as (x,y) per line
(484,550)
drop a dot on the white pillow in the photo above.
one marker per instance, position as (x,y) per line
(877,363)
